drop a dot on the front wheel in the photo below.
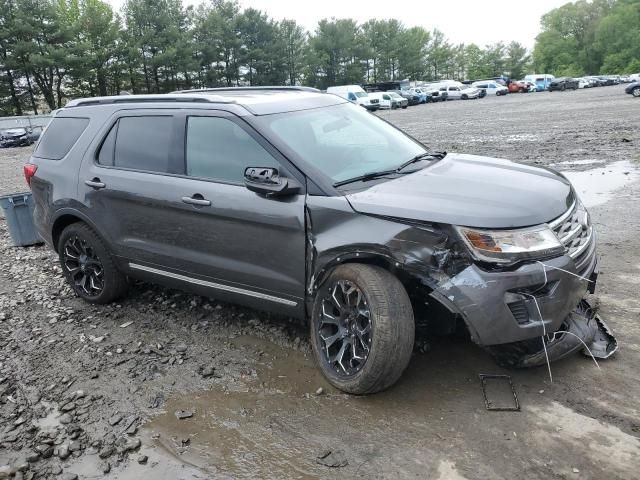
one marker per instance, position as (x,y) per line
(636,92)
(362,328)
(88,266)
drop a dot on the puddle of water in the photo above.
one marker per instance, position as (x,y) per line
(275,426)
(597,186)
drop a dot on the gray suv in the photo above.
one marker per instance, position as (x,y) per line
(298,202)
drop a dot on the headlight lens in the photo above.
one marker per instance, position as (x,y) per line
(510,246)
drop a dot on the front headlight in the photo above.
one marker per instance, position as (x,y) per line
(510,246)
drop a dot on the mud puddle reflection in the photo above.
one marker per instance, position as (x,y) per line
(597,185)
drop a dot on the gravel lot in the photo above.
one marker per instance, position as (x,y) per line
(166,385)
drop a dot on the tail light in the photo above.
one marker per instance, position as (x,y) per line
(29,172)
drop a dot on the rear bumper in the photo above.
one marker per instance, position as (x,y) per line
(498,307)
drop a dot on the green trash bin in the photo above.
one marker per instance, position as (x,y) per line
(18,211)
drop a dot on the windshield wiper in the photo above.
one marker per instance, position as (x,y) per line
(382,173)
(422,156)
(365,177)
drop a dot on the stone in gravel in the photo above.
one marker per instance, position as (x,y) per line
(68,407)
(106,468)
(207,372)
(56,469)
(183,414)
(131,445)
(75,446)
(65,419)
(63,452)
(125,325)
(33,457)
(332,458)
(106,452)
(319,391)
(78,394)
(142,459)
(98,339)
(181,348)
(19,421)
(132,430)
(115,419)
(45,451)
(69,476)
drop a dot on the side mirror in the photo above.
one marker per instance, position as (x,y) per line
(267,181)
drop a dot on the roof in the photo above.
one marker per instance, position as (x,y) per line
(256,100)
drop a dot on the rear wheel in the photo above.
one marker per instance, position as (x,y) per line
(88,266)
(362,328)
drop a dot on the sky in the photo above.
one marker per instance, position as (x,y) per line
(462,21)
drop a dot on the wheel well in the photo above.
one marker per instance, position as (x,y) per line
(59,225)
(429,313)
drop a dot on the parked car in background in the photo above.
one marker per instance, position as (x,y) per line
(425,97)
(412,98)
(563,83)
(403,102)
(633,89)
(541,81)
(491,88)
(434,91)
(355,94)
(17,137)
(389,100)
(458,91)
(583,83)
(606,81)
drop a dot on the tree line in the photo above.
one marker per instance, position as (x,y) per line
(54,50)
(590,37)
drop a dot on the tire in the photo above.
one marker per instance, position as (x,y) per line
(636,92)
(464,97)
(390,332)
(563,88)
(102,282)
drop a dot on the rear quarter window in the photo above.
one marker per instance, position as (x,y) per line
(59,137)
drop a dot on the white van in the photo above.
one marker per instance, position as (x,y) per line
(355,94)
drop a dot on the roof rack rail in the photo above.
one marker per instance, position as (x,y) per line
(248,89)
(83,102)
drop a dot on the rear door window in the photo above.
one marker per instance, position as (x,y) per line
(219,149)
(60,136)
(139,143)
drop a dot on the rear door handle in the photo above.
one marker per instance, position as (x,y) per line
(197,199)
(95,183)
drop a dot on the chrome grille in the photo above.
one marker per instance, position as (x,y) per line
(574,230)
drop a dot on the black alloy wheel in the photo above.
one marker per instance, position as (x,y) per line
(83,267)
(345,328)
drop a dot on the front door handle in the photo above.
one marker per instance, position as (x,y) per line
(94,183)
(197,199)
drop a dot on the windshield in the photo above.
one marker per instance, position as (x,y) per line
(360,94)
(343,141)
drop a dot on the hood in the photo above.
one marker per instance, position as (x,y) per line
(472,191)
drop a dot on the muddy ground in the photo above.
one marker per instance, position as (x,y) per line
(94,391)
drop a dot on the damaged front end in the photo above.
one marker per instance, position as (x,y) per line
(507,308)
(583,330)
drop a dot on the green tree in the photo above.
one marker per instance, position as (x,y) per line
(293,41)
